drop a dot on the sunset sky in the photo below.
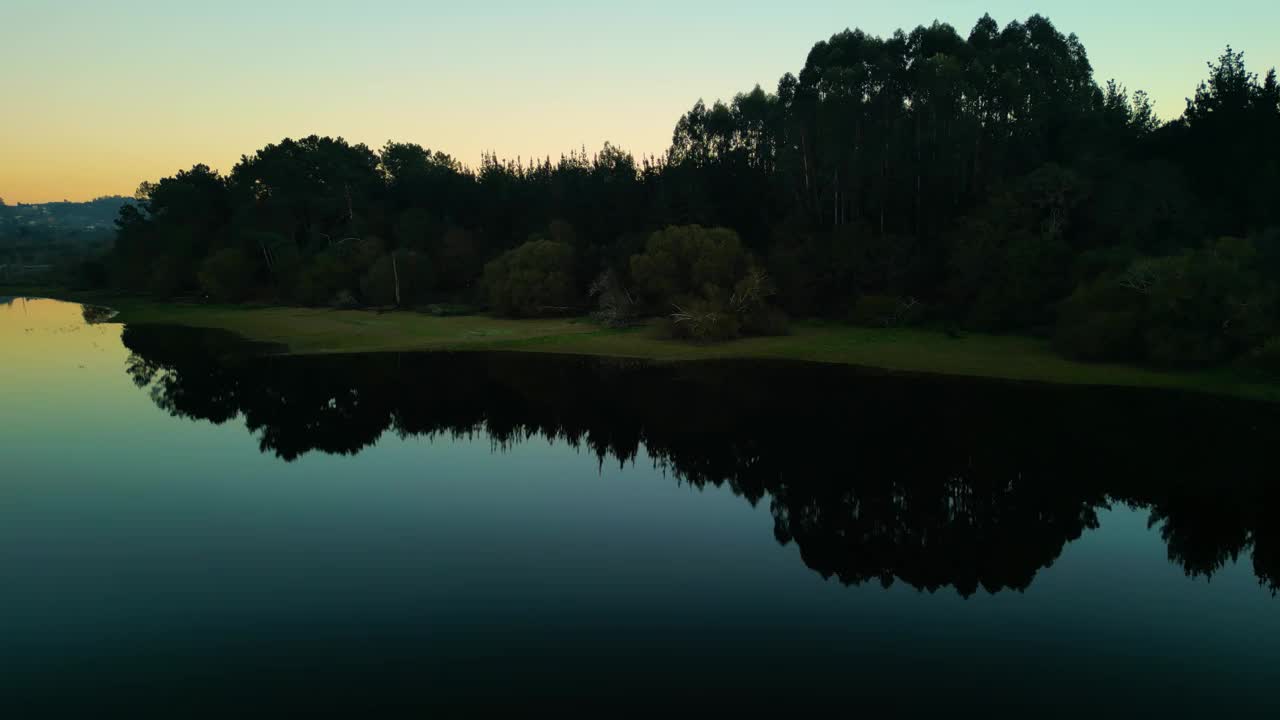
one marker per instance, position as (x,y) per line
(99,96)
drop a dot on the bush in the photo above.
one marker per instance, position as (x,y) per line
(703,321)
(1172,346)
(885,311)
(458,259)
(766,321)
(344,300)
(89,275)
(320,281)
(170,276)
(1103,320)
(683,265)
(803,273)
(227,275)
(1202,306)
(616,306)
(334,274)
(709,280)
(1267,357)
(533,279)
(378,286)
(1102,335)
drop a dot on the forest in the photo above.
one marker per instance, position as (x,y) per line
(986,182)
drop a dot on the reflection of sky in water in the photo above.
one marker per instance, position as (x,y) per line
(139,543)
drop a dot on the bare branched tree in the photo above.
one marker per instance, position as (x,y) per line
(1143,275)
(616,304)
(1140,277)
(905,307)
(699,323)
(754,289)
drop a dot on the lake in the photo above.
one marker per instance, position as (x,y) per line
(189,524)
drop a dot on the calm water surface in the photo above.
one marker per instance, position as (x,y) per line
(185,527)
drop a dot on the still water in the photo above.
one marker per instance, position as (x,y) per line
(188,525)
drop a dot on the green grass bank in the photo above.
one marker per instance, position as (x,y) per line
(315,330)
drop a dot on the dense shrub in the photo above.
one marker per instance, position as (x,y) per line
(615,304)
(683,265)
(818,273)
(708,322)
(1267,357)
(227,275)
(1193,309)
(459,259)
(885,311)
(1101,321)
(533,279)
(1010,261)
(411,270)
(331,276)
(89,275)
(704,321)
(170,276)
(1100,336)
(766,321)
(1203,306)
(806,276)
(320,281)
(708,282)
(344,300)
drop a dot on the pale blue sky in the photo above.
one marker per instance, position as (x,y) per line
(100,96)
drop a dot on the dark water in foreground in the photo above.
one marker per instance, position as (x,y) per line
(186,529)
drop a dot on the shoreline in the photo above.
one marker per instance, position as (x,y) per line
(312,331)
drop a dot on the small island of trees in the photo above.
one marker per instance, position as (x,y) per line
(984,182)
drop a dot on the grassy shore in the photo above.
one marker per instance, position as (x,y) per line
(311,331)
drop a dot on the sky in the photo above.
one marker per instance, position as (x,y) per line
(96,97)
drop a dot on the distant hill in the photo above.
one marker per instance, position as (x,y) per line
(37,238)
(60,221)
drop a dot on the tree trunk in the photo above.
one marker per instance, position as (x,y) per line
(835,201)
(395,273)
(919,163)
(808,191)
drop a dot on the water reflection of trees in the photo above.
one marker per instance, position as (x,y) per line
(929,482)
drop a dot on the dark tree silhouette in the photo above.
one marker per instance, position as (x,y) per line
(984,180)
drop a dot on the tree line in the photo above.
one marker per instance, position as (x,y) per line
(985,181)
